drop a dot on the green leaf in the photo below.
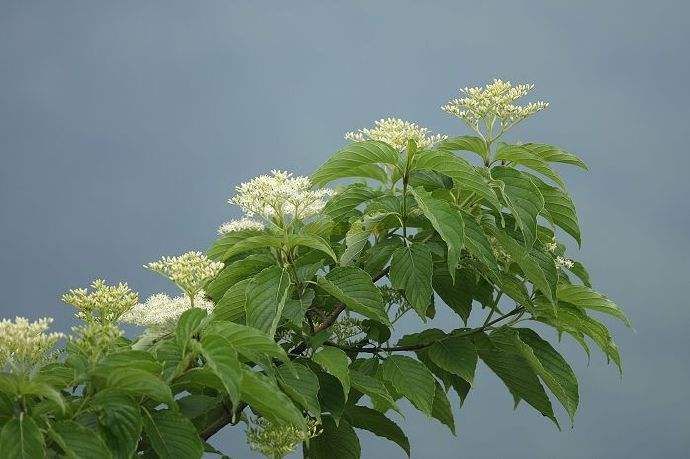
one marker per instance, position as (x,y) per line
(171,435)
(411,271)
(21,438)
(464,143)
(523,198)
(344,204)
(559,209)
(348,162)
(188,324)
(552,369)
(380,254)
(302,385)
(42,389)
(259,242)
(447,221)
(361,417)
(335,362)
(502,354)
(266,296)
(374,388)
(79,442)
(221,246)
(248,341)
(57,374)
(296,308)
(441,409)
(554,154)
(118,414)
(581,272)
(586,298)
(232,306)
(263,395)
(543,276)
(356,290)
(457,355)
(355,241)
(463,173)
(521,155)
(338,441)
(221,358)
(412,380)
(478,245)
(140,360)
(138,382)
(236,272)
(313,242)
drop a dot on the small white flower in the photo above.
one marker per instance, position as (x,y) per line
(280,195)
(191,271)
(240,225)
(160,312)
(24,344)
(396,133)
(552,246)
(105,303)
(495,100)
(562,262)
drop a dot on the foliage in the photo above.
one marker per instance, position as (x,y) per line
(288,322)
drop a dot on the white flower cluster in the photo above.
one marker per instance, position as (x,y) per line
(24,344)
(106,303)
(280,195)
(396,133)
(562,262)
(277,440)
(242,224)
(160,312)
(493,100)
(552,246)
(190,271)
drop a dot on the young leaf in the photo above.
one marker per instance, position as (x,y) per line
(335,362)
(412,380)
(447,221)
(362,417)
(172,435)
(523,198)
(356,290)
(411,271)
(266,296)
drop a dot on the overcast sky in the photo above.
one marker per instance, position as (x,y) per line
(124,127)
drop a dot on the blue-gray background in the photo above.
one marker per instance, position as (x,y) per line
(125,125)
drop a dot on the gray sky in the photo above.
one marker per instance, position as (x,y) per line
(125,125)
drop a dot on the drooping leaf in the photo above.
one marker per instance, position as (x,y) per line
(20,438)
(501,353)
(362,417)
(356,290)
(559,209)
(118,414)
(171,435)
(441,409)
(523,198)
(338,441)
(447,221)
(551,368)
(411,271)
(455,354)
(412,380)
(586,298)
(523,156)
(478,245)
(221,358)
(554,154)
(265,396)
(349,162)
(374,388)
(266,295)
(335,362)
(78,441)
(302,385)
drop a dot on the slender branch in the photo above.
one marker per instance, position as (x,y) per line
(416,347)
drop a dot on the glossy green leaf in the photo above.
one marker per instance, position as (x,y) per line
(137,382)
(374,388)
(559,209)
(236,272)
(248,341)
(189,323)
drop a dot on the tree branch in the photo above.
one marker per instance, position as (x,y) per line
(416,347)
